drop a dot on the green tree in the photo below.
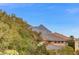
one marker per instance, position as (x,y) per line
(71,42)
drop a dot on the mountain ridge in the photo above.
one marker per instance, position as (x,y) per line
(46,33)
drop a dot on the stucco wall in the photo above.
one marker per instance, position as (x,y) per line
(76,45)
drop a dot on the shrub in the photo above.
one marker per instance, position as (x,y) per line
(1,53)
(11,52)
(77,52)
(64,51)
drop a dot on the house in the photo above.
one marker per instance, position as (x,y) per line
(56,38)
(56,41)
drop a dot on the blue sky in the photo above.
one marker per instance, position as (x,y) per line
(61,18)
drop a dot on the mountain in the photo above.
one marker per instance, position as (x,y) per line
(41,28)
(46,34)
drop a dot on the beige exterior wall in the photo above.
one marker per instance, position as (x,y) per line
(76,45)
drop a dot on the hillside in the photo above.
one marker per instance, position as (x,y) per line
(17,38)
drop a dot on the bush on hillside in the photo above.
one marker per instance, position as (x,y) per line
(64,51)
(16,35)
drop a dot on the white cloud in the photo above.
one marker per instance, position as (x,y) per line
(72,10)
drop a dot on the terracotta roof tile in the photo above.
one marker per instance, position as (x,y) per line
(57,35)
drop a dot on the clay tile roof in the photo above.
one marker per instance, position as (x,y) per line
(57,35)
